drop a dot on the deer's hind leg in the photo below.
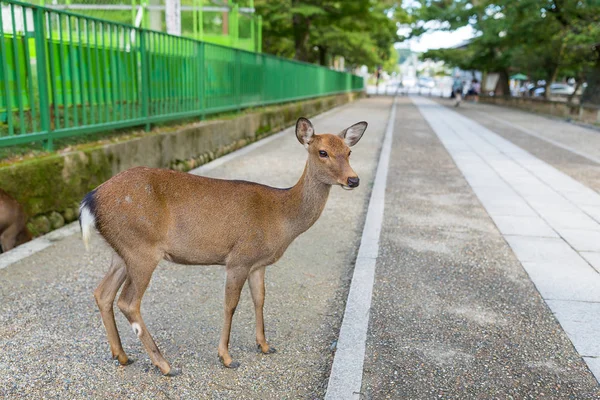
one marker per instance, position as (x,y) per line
(139,273)
(105,295)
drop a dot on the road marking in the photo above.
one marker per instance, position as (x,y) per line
(345,380)
(537,135)
(45,241)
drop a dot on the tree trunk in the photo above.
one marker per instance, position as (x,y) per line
(225,16)
(502,87)
(591,95)
(322,56)
(554,71)
(547,89)
(551,78)
(300,26)
(577,85)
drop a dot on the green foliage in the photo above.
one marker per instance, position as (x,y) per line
(546,39)
(391,64)
(361,31)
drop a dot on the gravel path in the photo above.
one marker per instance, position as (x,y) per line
(53,344)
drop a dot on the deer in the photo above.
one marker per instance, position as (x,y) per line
(147,215)
(13,223)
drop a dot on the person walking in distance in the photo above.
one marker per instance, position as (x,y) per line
(457,89)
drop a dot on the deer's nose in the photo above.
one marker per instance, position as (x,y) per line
(353,182)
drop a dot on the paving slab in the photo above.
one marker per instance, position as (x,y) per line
(580,320)
(592,258)
(557,280)
(570,148)
(582,240)
(524,226)
(542,249)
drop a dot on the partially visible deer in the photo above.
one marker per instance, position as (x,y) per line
(13,223)
(147,215)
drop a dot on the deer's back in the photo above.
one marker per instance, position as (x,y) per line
(189,219)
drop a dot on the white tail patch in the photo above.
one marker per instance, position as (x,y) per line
(88,222)
(137,329)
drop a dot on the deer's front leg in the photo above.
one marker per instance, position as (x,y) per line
(236,277)
(256,280)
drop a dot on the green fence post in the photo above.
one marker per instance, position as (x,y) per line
(133,12)
(42,77)
(145,15)
(202,72)
(145,94)
(5,79)
(252,35)
(259,35)
(201,19)
(238,80)
(194,19)
(234,26)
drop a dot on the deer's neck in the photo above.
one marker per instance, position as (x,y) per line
(306,201)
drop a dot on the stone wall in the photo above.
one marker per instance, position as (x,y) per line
(587,113)
(50,188)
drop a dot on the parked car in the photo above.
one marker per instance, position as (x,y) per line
(555,89)
(427,82)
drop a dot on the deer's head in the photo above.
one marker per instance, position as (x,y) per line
(328,155)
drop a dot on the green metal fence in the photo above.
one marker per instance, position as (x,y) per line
(64,74)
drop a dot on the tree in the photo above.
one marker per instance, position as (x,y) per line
(490,51)
(544,38)
(361,31)
(391,65)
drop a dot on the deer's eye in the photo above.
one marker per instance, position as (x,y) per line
(350,152)
(323,153)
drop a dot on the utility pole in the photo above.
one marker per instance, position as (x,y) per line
(173,16)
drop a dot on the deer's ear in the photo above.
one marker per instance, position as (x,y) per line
(304,131)
(353,134)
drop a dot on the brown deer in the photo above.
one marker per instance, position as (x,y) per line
(13,223)
(147,215)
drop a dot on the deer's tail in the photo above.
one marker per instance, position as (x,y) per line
(87,217)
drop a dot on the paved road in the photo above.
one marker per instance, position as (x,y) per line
(460,309)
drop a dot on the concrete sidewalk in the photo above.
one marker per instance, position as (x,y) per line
(568,147)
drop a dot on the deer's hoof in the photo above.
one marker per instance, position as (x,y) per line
(173,372)
(128,361)
(271,350)
(232,365)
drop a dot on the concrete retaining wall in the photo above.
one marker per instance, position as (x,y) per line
(587,113)
(50,188)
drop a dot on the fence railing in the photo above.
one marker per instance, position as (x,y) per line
(63,74)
